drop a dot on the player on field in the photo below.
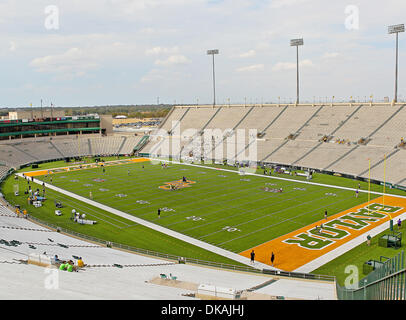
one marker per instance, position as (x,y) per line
(252,256)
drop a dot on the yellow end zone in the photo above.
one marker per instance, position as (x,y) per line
(82,167)
(302,246)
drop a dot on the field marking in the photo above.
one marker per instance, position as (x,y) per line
(83,166)
(168,197)
(263,176)
(239,213)
(275,224)
(292,256)
(93,213)
(279,178)
(169,232)
(326,258)
(191,210)
(263,216)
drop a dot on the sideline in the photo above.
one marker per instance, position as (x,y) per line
(174,234)
(316,263)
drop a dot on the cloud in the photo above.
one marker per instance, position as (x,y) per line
(173,60)
(152,76)
(286,3)
(248,54)
(331,55)
(12,46)
(252,68)
(78,61)
(161,50)
(283,66)
(74,62)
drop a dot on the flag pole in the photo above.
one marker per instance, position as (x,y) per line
(384,180)
(369,183)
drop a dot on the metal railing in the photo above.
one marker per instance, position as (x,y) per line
(297,275)
(151,253)
(181,259)
(387,282)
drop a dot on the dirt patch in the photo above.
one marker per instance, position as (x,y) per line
(175,283)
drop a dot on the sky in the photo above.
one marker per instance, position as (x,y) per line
(112,52)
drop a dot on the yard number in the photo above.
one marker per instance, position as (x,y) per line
(194,218)
(230,229)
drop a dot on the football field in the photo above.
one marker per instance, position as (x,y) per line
(221,207)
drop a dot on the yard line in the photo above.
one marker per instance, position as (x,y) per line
(286,179)
(223,195)
(240,213)
(174,234)
(81,207)
(168,197)
(264,228)
(271,214)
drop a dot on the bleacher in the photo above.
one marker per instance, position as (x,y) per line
(292,135)
(20,152)
(126,275)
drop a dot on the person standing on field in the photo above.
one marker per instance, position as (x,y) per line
(252,256)
(272,258)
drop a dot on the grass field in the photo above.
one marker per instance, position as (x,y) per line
(215,201)
(222,208)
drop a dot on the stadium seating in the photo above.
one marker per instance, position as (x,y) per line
(18,152)
(292,135)
(289,135)
(127,275)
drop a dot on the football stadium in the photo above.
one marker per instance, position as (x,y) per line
(323,185)
(286,200)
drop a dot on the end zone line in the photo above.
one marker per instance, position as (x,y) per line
(284,179)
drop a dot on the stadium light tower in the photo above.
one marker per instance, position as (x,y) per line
(296,43)
(391,30)
(213,53)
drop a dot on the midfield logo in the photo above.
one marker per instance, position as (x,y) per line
(335,230)
(174,185)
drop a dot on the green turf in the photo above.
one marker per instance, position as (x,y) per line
(216,201)
(221,208)
(109,227)
(63,163)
